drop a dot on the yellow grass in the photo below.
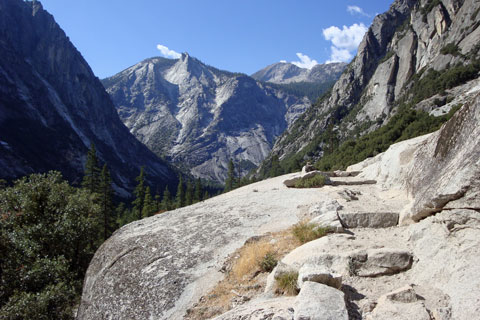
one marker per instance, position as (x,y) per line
(242,276)
(250,255)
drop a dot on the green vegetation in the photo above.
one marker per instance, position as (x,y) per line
(48,234)
(306,232)
(406,124)
(287,283)
(268,262)
(434,82)
(316,181)
(450,48)
(230,182)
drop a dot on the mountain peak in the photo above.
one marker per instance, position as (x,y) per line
(284,72)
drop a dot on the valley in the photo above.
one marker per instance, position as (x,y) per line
(177,190)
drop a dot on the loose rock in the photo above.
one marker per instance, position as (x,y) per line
(320,302)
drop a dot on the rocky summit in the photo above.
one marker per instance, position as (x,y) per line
(284,72)
(199,117)
(52,107)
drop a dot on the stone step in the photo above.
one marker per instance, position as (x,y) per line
(368,219)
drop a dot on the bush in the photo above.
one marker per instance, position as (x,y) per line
(287,283)
(47,238)
(316,181)
(268,262)
(306,232)
(450,48)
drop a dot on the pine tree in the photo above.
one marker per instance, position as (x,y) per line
(158,201)
(92,171)
(275,169)
(206,195)
(106,201)
(230,182)
(166,200)
(124,215)
(148,204)
(139,193)
(197,197)
(180,197)
(189,193)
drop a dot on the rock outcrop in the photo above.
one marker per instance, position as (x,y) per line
(52,107)
(199,117)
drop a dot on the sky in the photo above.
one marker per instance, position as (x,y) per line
(234,35)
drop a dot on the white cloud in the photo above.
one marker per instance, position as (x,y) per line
(357,10)
(339,55)
(167,53)
(283,61)
(345,41)
(305,61)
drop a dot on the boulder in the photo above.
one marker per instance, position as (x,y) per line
(320,302)
(401,304)
(404,294)
(325,214)
(378,262)
(281,269)
(275,309)
(368,219)
(319,274)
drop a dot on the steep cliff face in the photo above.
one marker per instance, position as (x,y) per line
(200,117)
(406,44)
(284,72)
(52,107)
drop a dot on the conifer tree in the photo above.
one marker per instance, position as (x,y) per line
(230,182)
(206,195)
(189,193)
(166,200)
(197,197)
(92,171)
(148,204)
(275,169)
(158,201)
(139,193)
(180,197)
(106,201)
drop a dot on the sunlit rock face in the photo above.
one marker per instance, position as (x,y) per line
(199,116)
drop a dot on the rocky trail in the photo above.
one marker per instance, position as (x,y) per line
(373,270)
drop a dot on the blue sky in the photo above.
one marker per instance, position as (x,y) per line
(240,36)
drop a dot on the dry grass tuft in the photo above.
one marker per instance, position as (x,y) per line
(244,276)
(250,256)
